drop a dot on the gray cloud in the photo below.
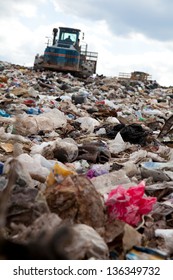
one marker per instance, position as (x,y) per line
(152,18)
(9,8)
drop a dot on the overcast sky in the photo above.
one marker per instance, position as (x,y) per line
(128,35)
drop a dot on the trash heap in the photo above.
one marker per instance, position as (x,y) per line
(86,167)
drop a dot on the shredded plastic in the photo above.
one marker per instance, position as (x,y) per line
(129,205)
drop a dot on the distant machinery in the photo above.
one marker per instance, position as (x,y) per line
(135,76)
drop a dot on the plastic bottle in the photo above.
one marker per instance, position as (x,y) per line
(139,116)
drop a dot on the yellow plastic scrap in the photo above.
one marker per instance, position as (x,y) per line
(50,179)
(60,171)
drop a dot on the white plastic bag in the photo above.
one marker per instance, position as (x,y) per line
(117,145)
(27,125)
(167,234)
(88,124)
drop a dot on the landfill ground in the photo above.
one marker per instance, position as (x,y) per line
(86,167)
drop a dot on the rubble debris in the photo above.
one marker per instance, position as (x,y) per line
(73,154)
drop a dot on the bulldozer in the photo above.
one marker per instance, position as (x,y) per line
(67,54)
(135,76)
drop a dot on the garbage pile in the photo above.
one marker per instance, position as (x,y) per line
(86,167)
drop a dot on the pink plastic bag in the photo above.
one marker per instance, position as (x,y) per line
(129,205)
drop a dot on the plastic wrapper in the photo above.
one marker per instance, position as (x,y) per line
(97,170)
(58,173)
(129,205)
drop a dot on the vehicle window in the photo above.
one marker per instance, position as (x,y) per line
(65,36)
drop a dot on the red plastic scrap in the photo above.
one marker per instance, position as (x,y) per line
(29,102)
(129,205)
(100,102)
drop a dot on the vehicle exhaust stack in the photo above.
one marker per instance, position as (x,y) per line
(55,31)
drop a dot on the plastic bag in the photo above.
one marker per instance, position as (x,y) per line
(77,200)
(129,205)
(117,145)
(88,123)
(49,121)
(86,243)
(97,170)
(34,166)
(167,235)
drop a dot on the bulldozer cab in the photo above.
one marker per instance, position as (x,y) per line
(68,37)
